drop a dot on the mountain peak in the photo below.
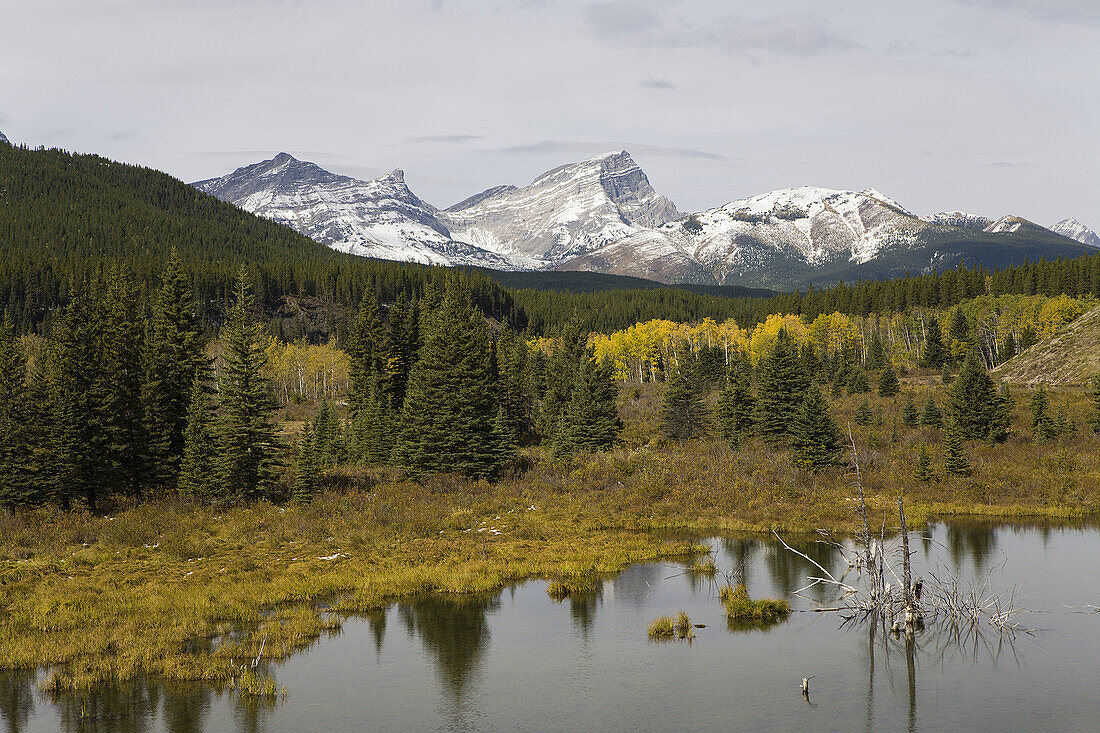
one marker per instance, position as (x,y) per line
(283,158)
(1077,231)
(397,174)
(4,139)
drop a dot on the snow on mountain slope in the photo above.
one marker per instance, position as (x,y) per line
(377,218)
(960,219)
(1077,231)
(565,212)
(4,139)
(807,225)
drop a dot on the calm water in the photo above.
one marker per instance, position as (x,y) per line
(517,660)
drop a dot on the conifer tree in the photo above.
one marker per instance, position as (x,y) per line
(198,477)
(372,430)
(560,371)
(931,415)
(781,387)
(888,384)
(735,401)
(909,414)
(863,414)
(591,419)
(17,480)
(815,438)
(1094,418)
(954,456)
(513,392)
(369,353)
(959,331)
(945,376)
(305,468)
(876,354)
(857,382)
(922,471)
(119,385)
(974,403)
(173,353)
(449,412)
(326,437)
(1041,422)
(248,442)
(684,413)
(934,354)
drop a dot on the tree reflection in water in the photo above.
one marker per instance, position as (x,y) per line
(455,631)
(17,698)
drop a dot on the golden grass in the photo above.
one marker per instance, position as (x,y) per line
(762,611)
(662,627)
(157,588)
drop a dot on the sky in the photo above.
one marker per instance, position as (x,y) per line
(986,106)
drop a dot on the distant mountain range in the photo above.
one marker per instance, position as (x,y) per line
(602,215)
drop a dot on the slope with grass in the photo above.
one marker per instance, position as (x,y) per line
(1069,356)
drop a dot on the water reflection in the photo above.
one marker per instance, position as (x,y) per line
(455,631)
(17,698)
(973,541)
(582,611)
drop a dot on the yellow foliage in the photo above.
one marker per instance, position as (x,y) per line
(766,333)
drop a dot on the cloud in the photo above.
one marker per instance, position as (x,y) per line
(581,148)
(121,136)
(1007,164)
(442,139)
(790,34)
(651,83)
(1054,10)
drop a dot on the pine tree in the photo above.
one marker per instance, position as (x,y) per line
(1041,422)
(780,390)
(513,392)
(1094,418)
(735,402)
(815,438)
(934,354)
(931,415)
(975,404)
(863,414)
(857,382)
(945,376)
(248,441)
(888,384)
(959,331)
(305,468)
(372,430)
(369,353)
(684,412)
(923,470)
(326,437)
(17,480)
(591,419)
(198,477)
(1001,421)
(909,414)
(560,371)
(173,353)
(876,354)
(449,411)
(954,456)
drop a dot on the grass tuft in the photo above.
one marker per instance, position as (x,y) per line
(741,608)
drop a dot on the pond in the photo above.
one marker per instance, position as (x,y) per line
(518,660)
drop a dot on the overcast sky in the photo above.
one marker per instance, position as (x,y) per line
(989,106)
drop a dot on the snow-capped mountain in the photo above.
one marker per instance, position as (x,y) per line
(603,215)
(378,218)
(1076,231)
(564,213)
(4,138)
(807,225)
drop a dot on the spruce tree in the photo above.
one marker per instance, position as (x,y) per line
(922,471)
(591,419)
(173,353)
(974,403)
(909,414)
(684,412)
(735,401)
(326,437)
(888,384)
(781,388)
(372,430)
(857,382)
(449,411)
(1041,423)
(305,468)
(863,413)
(815,439)
(931,415)
(954,456)
(513,392)
(248,441)
(876,354)
(934,354)
(959,330)
(945,376)
(17,479)
(559,373)
(198,477)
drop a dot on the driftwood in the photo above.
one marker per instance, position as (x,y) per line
(898,603)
